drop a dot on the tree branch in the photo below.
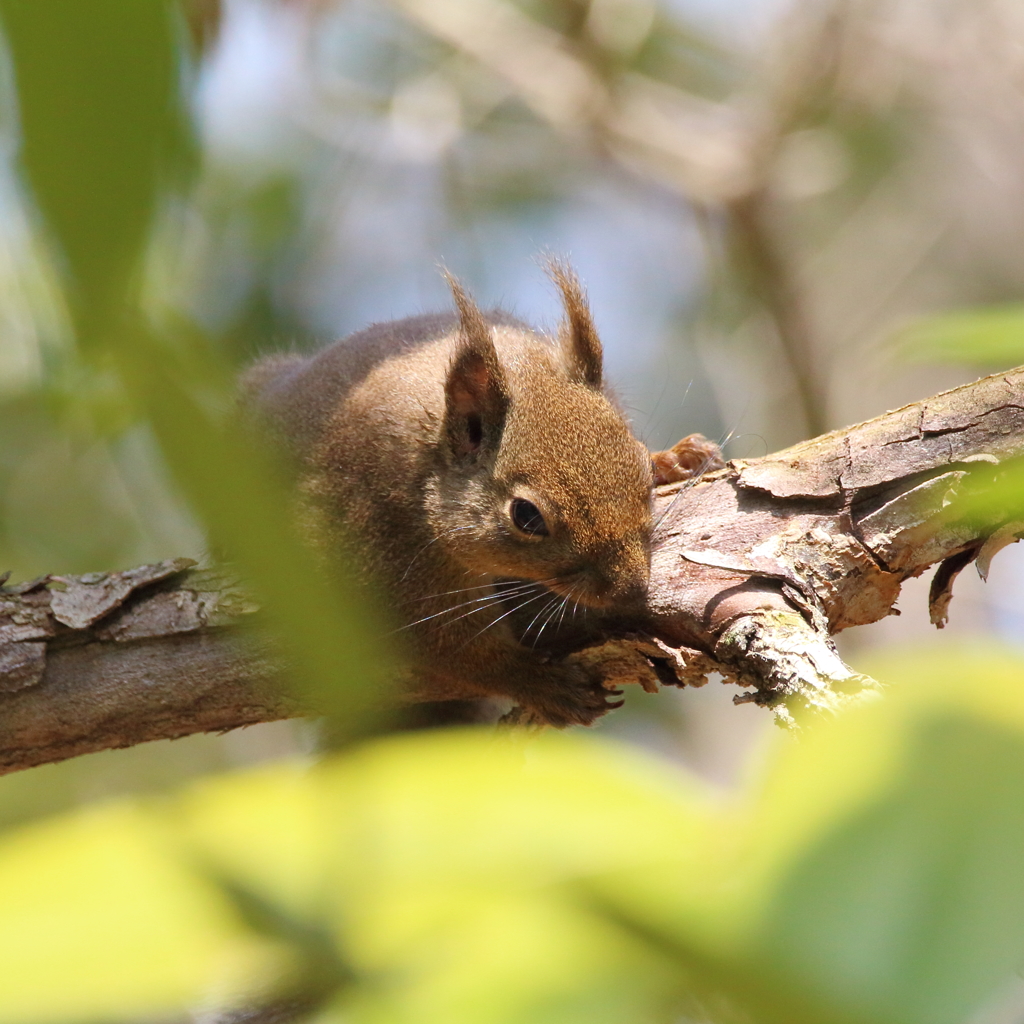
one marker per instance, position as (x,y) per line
(110,660)
(754,568)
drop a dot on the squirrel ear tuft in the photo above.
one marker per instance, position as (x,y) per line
(581,346)
(476,390)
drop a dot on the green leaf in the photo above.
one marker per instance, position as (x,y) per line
(100,920)
(989,336)
(435,862)
(871,876)
(895,838)
(875,875)
(102,133)
(102,117)
(989,503)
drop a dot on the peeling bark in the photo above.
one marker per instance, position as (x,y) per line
(755,567)
(830,529)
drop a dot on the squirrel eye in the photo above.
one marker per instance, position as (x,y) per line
(527,518)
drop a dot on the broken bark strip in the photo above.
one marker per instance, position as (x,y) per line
(754,568)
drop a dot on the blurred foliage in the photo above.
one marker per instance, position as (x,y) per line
(871,875)
(991,337)
(97,87)
(103,94)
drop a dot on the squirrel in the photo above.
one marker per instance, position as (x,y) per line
(473,469)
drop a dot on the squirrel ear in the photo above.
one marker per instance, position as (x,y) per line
(476,390)
(581,347)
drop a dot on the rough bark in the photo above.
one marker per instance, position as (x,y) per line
(113,659)
(760,564)
(754,568)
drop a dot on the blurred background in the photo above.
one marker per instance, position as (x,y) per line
(774,206)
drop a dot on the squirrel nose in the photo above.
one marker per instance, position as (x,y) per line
(628,586)
(619,591)
(619,577)
(629,592)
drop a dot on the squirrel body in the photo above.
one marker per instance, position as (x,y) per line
(471,469)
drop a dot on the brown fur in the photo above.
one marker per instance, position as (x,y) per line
(413,438)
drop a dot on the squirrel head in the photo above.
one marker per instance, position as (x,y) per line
(538,476)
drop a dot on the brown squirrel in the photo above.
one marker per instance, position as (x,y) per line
(473,470)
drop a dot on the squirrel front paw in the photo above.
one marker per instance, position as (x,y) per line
(571,695)
(690,457)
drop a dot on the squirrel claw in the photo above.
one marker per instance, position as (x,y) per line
(579,699)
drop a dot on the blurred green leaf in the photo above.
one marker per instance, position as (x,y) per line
(102,135)
(989,336)
(102,120)
(913,910)
(872,876)
(990,501)
(326,631)
(435,861)
(99,920)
